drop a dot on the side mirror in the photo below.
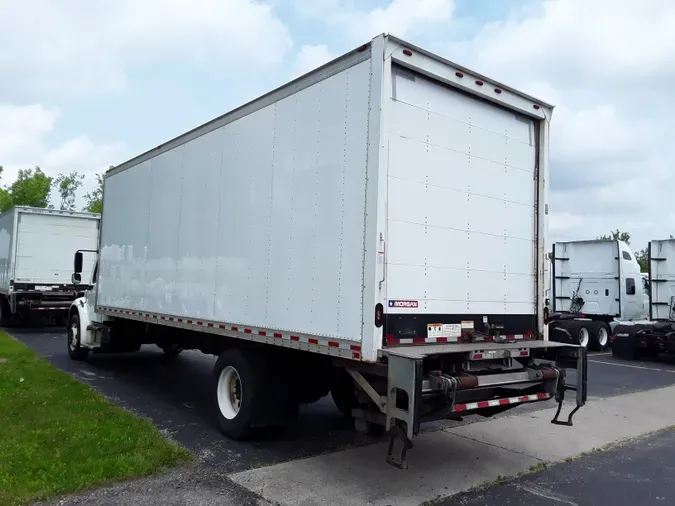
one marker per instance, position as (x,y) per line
(78,263)
(76,278)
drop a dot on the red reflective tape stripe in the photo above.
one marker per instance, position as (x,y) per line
(543,396)
(418,340)
(484,404)
(356,355)
(441,339)
(278,336)
(524,398)
(209,325)
(221,326)
(313,341)
(333,344)
(235,329)
(171,318)
(355,347)
(503,402)
(460,407)
(262,333)
(200,323)
(295,338)
(180,320)
(248,331)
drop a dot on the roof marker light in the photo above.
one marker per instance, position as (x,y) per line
(498,91)
(407,52)
(536,106)
(479,83)
(361,49)
(459,74)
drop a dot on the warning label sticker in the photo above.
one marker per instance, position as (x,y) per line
(404,304)
(435,330)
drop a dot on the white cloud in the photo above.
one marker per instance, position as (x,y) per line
(24,143)
(398,16)
(311,57)
(71,46)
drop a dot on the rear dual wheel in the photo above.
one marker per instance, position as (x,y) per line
(593,335)
(251,390)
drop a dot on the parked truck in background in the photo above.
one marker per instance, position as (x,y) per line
(374,229)
(594,284)
(36,260)
(633,340)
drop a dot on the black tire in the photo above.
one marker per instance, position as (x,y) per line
(6,317)
(75,349)
(599,336)
(251,394)
(343,392)
(580,331)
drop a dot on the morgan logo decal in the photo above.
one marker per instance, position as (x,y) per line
(403,303)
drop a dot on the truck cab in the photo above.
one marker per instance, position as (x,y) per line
(593,285)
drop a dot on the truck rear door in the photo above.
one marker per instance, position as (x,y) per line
(461,218)
(46,244)
(662,280)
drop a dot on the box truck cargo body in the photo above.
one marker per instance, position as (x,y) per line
(385,212)
(594,283)
(632,340)
(36,258)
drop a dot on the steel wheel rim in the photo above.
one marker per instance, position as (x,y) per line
(71,336)
(584,337)
(229,392)
(603,336)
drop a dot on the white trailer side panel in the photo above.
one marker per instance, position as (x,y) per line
(6,248)
(662,279)
(590,270)
(46,242)
(258,222)
(462,197)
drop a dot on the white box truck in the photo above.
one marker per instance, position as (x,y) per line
(593,285)
(36,260)
(634,340)
(374,229)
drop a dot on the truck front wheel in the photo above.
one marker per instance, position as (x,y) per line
(238,392)
(75,349)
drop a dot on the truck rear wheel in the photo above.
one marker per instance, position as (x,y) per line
(6,319)
(239,392)
(599,334)
(75,349)
(343,392)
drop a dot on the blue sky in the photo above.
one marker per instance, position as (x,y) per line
(93,83)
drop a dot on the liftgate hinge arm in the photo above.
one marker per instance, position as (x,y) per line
(379,400)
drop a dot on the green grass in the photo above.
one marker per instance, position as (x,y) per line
(58,435)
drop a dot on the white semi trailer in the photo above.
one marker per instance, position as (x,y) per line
(36,259)
(594,284)
(374,229)
(634,340)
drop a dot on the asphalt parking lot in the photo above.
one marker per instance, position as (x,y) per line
(176,395)
(638,472)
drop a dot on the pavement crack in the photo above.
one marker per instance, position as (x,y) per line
(449,431)
(545,493)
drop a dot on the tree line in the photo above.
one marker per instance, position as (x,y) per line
(33,188)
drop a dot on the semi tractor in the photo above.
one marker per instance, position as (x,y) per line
(36,260)
(634,340)
(594,284)
(373,230)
